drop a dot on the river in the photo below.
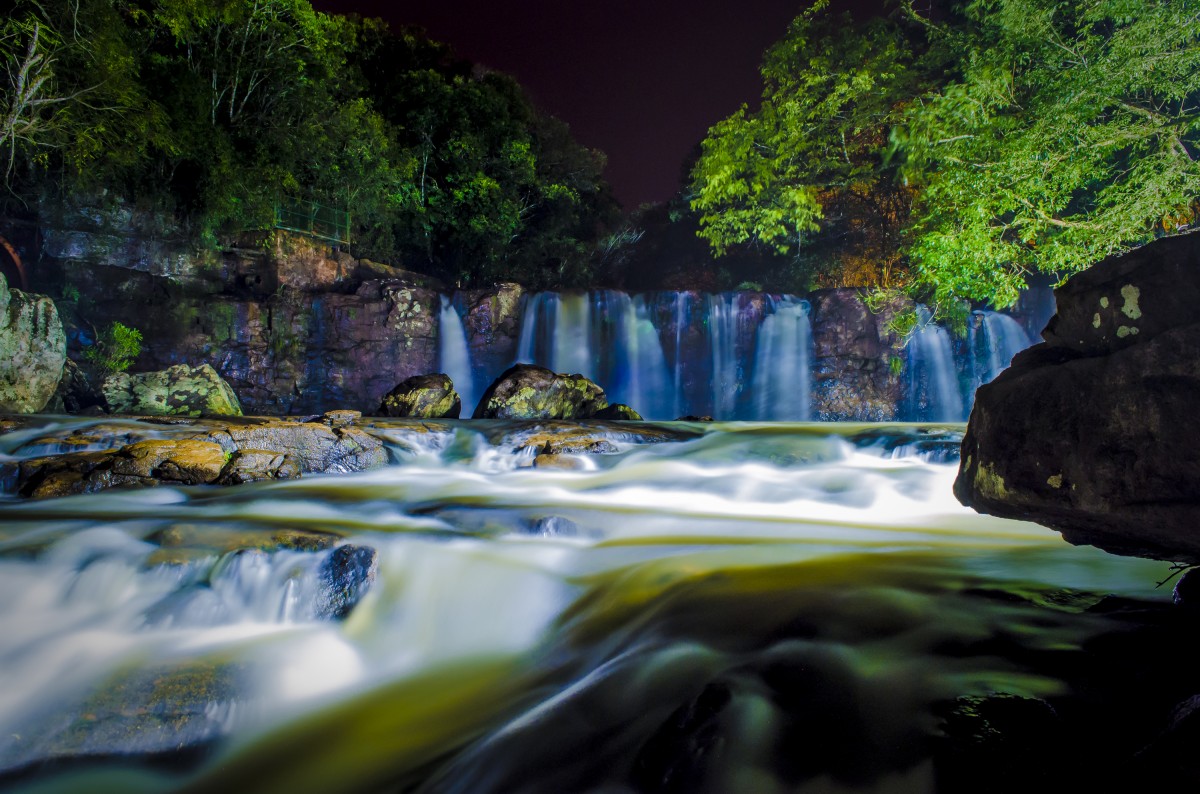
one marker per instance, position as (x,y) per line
(750,607)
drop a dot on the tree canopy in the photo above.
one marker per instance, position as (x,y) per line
(961,153)
(216,111)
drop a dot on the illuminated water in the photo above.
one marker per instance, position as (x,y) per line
(811,592)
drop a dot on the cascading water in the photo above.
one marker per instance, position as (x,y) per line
(753,589)
(1000,337)
(722,321)
(782,383)
(454,357)
(933,391)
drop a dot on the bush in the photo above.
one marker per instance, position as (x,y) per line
(116,348)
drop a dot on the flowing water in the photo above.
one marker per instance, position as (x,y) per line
(742,608)
(454,358)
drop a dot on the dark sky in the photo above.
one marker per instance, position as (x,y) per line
(641,81)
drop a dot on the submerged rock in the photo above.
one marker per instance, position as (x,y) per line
(346,576)
(176,391)
(170,712)
(527,391)
(423,397)
(1093,432)
(33,350)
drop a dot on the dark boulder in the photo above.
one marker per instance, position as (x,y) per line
(346,576)
(527,391)
(1093,432)
(618,411)
(423,397)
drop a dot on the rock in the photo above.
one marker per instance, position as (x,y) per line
(176,391)
(218,539)
(341,418)
(253,465)
(185,462)
(173,712)
(526,391)
(999,743)
(1187,590)
(1093,432)
(553,460)
(314,447)
(423,397)
(75,393)
(493,326)
(346,576)
(33,350)
(853,379)
(619,411)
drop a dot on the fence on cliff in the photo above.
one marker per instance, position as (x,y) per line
(316,220)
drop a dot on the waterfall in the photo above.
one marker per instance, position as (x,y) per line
(782,364)
(933,379)
(453,355)
(640,377)
(572,337)
(721,311)
(1003,338)
(681,315)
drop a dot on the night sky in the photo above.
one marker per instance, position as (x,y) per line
(641,81)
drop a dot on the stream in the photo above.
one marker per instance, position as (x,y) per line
(747,607)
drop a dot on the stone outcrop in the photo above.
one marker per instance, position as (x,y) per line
(1093,432)
(526,391)
(853,347)
(33,350)
(493,326)
(227,453)
(176,391)
(423,397)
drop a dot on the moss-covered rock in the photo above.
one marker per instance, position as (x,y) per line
(527,391)
(423,397)
(618,411)
(33,350)
(176,391)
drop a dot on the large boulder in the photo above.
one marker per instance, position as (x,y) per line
(423,397)
(176,391)
(526,391)
(1094,431)
(33,350)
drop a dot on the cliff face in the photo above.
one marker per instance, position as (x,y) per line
(1094,432)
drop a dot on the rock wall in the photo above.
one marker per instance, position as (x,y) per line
(854,378)
(32,350)
(1094,432)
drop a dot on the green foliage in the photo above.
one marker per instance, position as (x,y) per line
(116,348)
(1009,137)
(216,111)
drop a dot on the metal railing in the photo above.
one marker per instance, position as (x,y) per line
(313,219)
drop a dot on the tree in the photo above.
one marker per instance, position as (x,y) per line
(1072,134)
(1008,137)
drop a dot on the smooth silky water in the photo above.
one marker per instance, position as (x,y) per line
(802,595)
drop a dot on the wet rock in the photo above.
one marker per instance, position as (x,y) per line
(618,411)
(550,460)
(75,393)
(690,418)
(173,713)
(33,350)
(341,418)
(216,538)
(527,391)
(423,397)
(595,437)
(314,447)
(1093,432)
(555,527)
(253,465)
(345,576)
(179,390)
(853,377)
(493,325)
(176,461)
